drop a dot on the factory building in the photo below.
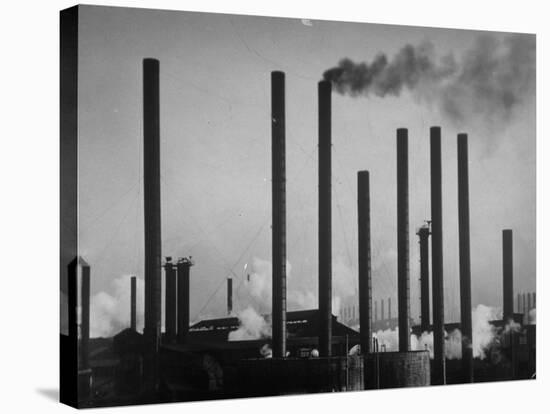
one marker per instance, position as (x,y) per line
(301,326)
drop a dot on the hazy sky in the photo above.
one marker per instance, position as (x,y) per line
(216,160)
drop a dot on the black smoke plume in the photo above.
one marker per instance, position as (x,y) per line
(490,79)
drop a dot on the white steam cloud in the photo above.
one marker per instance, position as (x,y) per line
(266,351)
(344,282)
(483,332)
(251,326)
(484,335)
(109,314)
(260,286)
(532,316)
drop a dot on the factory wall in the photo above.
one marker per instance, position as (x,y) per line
(398,369)
(252,377)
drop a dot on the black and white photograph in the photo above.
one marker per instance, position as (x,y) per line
(265,206)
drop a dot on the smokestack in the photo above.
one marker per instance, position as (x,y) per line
(170,301)
(133,324)
(364,254)
(403,240)
(325,212)
(424,236)
(518,303)
(464,258)
(183,266)
(76,357)
(508,275)
(151,197)
(534,300)
(70,360)
(524,303)
(389,308)
(278,210)
(375,310)
(229,295)
(85,315)
(72,299)
(529,307)
(437,258)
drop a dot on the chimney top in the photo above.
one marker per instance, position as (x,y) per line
(188,261)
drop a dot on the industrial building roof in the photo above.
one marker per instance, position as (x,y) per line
(299,324)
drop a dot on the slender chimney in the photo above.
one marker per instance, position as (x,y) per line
(382,310)
(151,197)
(375,310)
(70,361)
(170,301)
(518,303)
(464,258)
(403,240)
(72,299)
(529,307)
(85,315)
(424,236)
(437,258)
(521,307)
(508,275)
(389,308)
(133,324)
(364,254)
(524,303)
(278,211)
(183,266)
(325,212)
(534,300)
(229,295)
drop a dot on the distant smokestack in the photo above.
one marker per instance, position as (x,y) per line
(151,197)
(524,303)
(170,301)
(72,299)
(76,359)
(424,236)
(375,310)
(534,300)
(325,225)
(508,275)
(229,295)
(403,304)
(464,258)
(183,266)
(133,324)
(518,303)
(382,310)
(389,308)
(364,254)
(529,307)
(69,363)
(437,258)
(278,210)
(85,315)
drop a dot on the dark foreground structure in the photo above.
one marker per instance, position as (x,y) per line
(210,366)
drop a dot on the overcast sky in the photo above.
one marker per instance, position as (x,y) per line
(216,160)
